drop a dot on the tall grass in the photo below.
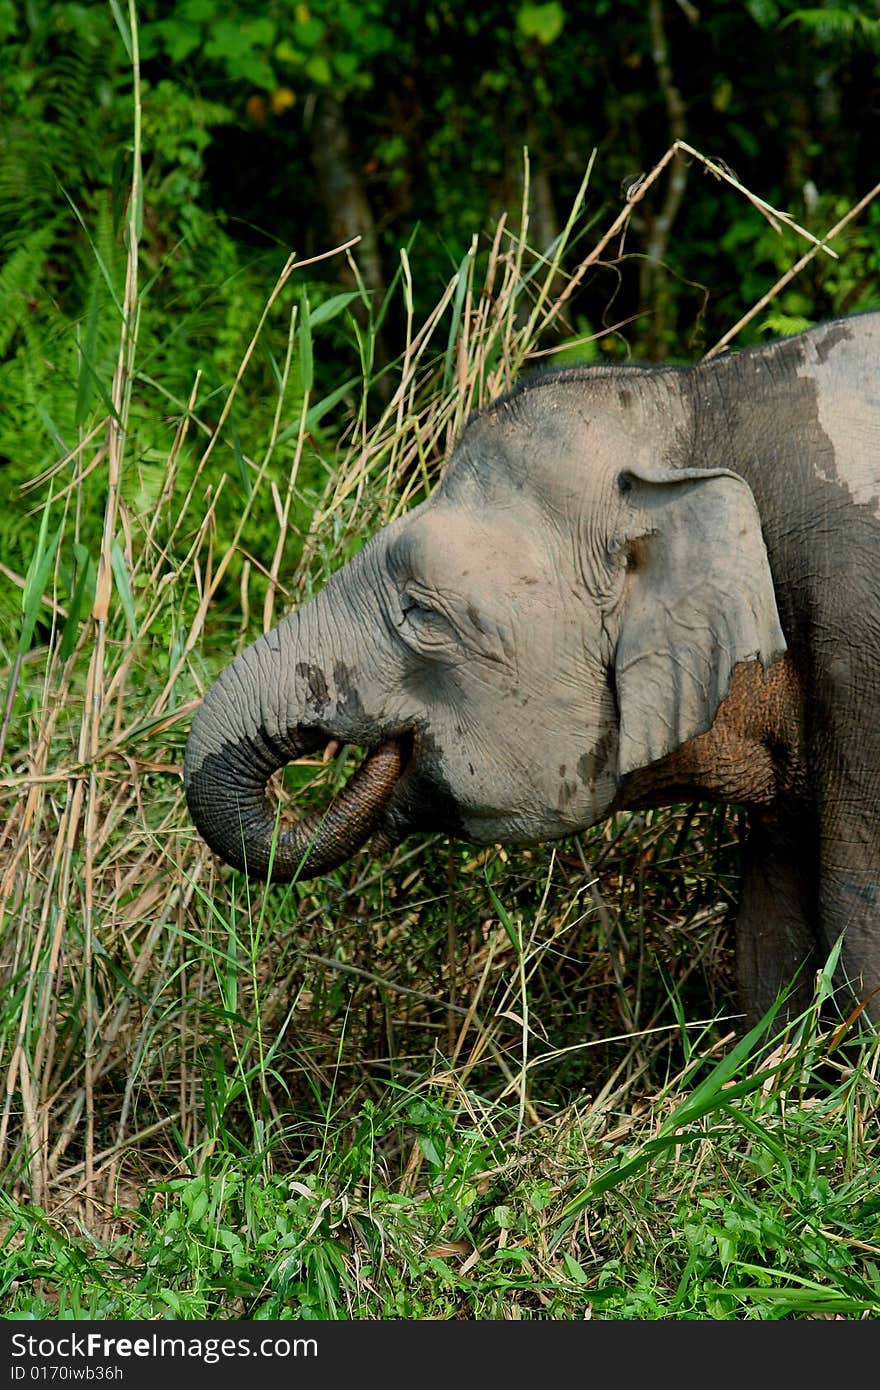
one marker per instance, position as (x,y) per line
(109,900)
(452,1083)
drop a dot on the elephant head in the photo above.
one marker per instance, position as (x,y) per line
(568,607)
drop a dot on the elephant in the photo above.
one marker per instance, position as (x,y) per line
(634,585)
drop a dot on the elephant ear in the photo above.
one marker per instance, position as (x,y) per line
(699,600)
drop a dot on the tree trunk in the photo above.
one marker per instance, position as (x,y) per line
(343,194)
(654,291)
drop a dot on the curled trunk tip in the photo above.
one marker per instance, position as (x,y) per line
(226,795)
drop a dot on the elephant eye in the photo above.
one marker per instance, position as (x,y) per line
(414,609)
(421,623)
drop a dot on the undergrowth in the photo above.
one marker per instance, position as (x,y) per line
(452,1083)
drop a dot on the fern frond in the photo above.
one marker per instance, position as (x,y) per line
(835,25)
(20,278)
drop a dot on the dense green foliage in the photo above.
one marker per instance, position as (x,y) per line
(448,1083)
(269,125)
(751,1196)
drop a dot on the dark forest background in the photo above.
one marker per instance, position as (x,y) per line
(269,126)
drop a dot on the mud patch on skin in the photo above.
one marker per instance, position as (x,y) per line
(596,761)
(827,342)
(567,792)
(349,705)
(317,693)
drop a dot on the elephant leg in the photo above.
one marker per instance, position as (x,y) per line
(776,927)
(850,907)
(849,896)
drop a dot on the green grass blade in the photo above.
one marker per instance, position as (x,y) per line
(123,588)
(304,336)
(317,411)
(83,594)
(241,468)
(715,1093)
(505,920)
(457,306)
(37,579)
(122,26)
(331,307)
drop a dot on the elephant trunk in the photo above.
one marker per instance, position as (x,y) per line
(239,738)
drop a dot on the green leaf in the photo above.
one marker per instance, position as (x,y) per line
(309,32)
(284,52)
(779,325)
(347,66)
(319,70)
(198,11)
(198,1207)
(430,1150)
(331,307)
(541,22)
(304,337)
(7,19)
(36,579)
(179,39)
(252,68)
(765,13)
(228,40)
(825,978)
(505,920)
(261,30)
(455,324)
(573,1269)
(122,26)
(83,594)
(321,408)
(123,588)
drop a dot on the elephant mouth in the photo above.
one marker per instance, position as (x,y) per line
(398,789)
(356,814)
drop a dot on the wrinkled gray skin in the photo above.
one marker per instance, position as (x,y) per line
(633,586)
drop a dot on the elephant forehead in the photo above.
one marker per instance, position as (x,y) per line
(564,438)
(505,456)
(451,546)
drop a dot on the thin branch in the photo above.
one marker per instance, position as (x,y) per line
(792,272)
